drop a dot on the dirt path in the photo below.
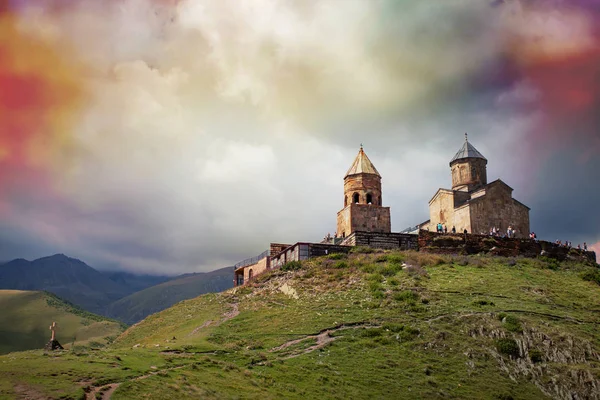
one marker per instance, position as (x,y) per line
(234,312)
(322,339)
(107,390)
(26,392)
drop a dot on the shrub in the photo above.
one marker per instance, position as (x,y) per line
(536,356)
(449,237)
(368,268)
(389,270)
(550,263)
(375,277)
(512,324)
(395,258)
(406,295)
(592,275)
(393,327)
(381,258)
(429,260)
(375,286)
(340,265)
(337,256)
(393,282)
(291,266)
(373,332)
(362,250)
(507,347)
(483,303)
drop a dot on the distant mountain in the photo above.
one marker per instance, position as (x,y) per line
(135,283)
(139,305)
(26,316)
(66,277)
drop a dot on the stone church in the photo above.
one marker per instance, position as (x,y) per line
(363,210)
(473,203)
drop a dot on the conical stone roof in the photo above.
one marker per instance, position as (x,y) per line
(362,165)
(467,151)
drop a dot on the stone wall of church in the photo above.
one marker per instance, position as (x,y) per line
(498,208)
(471,173)
(363,217)
(442,210)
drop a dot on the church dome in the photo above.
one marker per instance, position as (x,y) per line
(467,151)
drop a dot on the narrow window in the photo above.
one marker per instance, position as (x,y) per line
(250,274)
(355,198)
(369,198)
(345,201)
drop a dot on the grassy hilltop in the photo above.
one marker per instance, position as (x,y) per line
(357,326)
(25,318)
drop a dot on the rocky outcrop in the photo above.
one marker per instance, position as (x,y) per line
(561,367)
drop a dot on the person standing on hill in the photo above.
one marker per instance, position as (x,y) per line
(453,229)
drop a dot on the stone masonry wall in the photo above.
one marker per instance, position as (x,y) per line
(498,208)
(363,217)
(362,184)
(402,241)
(470,172)
(432,242)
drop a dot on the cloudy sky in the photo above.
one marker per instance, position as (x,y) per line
(171,136)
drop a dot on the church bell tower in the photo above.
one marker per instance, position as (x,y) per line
(363,210)
(469,168)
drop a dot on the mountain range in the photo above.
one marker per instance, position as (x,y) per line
(125,296)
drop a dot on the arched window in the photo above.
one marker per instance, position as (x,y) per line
(250,274)
(355,198)
(369,198)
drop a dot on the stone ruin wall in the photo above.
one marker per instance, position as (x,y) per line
(431,242)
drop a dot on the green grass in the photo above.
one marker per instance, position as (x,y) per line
(26,317)
(445,327)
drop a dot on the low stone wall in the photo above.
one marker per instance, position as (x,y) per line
(321,249)
(432,242)
(402,241)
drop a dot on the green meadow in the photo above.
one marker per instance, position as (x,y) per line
(375,325)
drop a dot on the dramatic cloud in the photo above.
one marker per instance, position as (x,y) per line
(174,136)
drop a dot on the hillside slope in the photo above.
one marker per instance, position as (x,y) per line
(139,305)
(26,316)
(358,326)
(68,278)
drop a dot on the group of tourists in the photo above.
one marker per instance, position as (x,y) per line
(510,232)
(441,228)
(570,245)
